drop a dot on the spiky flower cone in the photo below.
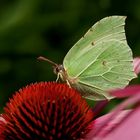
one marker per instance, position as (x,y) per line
(46,111)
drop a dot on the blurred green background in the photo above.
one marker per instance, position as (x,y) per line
(30,28)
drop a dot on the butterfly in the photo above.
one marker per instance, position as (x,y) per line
(100,61)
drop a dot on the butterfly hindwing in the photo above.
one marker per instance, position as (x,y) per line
(111,69)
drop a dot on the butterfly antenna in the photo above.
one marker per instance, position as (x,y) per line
(45,59)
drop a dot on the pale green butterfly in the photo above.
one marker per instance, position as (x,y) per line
(100,61)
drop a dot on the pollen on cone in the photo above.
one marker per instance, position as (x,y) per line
(46,111)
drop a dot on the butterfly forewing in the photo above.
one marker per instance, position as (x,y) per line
(106,29)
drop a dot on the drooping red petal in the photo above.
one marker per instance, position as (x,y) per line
(126,92)
(136,64)
(102,125)
(46,111)
(99,106)
(129,129)
(108,125)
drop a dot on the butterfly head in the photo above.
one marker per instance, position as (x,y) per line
(57,68)
(60,72)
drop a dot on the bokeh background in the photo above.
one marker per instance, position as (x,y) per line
(30,28)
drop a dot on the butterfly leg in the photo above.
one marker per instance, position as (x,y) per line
(68,83)
(58,76)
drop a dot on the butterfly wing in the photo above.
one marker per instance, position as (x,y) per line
(112,68)
(101,60)
(106,29)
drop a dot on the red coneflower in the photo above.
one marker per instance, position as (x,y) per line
(46,111)
(53,111)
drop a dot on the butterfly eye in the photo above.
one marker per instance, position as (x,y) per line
(58,69)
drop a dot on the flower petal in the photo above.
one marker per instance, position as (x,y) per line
(99,106)
(136,63)
(128,91)
(102,128)
(109,124)
(128,130)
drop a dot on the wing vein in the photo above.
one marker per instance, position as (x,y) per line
(91,63)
